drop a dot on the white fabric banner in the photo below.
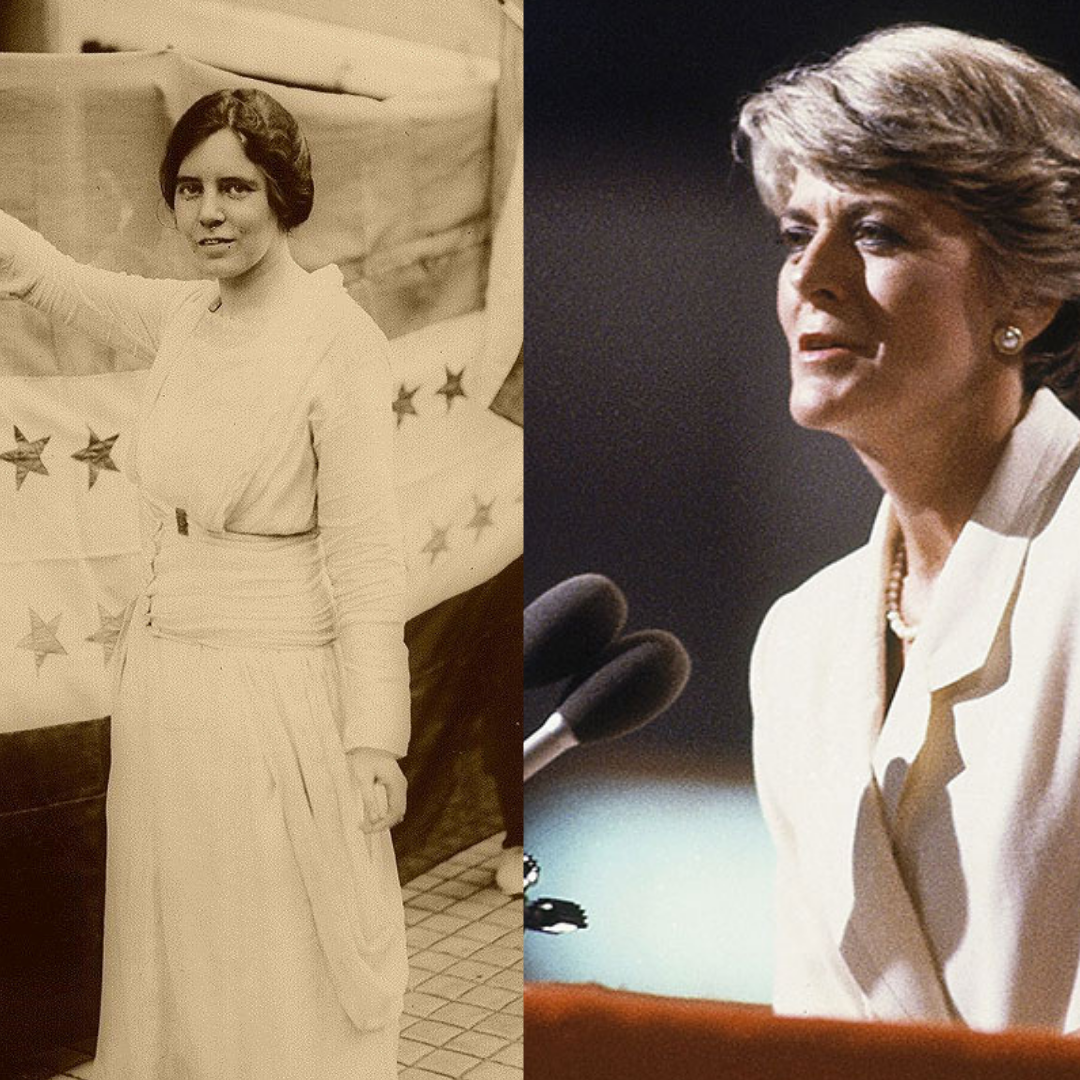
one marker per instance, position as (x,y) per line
(402,205)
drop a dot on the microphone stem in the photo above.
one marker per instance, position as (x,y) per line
(546,743)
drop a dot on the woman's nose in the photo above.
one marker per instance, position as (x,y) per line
(823,267)
(210,210)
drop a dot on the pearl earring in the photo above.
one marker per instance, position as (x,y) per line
(1008,340)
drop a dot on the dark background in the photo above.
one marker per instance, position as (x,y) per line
(660,451)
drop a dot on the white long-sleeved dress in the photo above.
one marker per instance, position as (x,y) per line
(252,929)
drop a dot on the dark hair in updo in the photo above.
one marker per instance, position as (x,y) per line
(270,137)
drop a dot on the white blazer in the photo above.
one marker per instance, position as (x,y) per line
(962,903)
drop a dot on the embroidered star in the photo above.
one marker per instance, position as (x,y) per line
(403,406)
(437,543)
(481,519)
(107,634)
(41,640)
(26,457)
(452,387)
(96,455)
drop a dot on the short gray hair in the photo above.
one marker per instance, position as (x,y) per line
(980,124)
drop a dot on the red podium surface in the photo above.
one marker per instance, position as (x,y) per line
(587,1032)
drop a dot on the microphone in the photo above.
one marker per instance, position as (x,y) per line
(636,679)
(569,626)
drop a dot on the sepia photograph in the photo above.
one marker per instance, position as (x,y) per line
(261,524)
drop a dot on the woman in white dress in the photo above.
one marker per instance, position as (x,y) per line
(254,924)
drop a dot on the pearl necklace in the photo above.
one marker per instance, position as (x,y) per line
(903,630)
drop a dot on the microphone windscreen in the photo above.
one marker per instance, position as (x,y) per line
(569,626)
(635,679)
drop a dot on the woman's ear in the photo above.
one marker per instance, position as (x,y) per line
(165,214)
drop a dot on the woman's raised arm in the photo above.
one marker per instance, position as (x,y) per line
(120,310)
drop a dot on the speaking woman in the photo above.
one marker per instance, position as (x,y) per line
(917,704)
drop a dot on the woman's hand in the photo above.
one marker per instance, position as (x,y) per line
(381,785)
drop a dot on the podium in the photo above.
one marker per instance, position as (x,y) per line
(587,1032)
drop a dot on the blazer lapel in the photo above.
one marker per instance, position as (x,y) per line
(980,578)
(869,909)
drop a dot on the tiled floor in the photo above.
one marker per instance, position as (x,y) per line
(463,1011)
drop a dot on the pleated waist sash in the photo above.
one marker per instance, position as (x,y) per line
(238,590)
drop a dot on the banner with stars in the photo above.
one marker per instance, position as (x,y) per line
(95,127)
(459,464)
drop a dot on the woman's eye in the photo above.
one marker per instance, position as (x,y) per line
(236,190)
(187,191)
(877,236)
(794,237)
